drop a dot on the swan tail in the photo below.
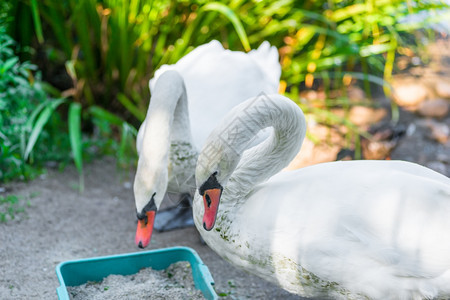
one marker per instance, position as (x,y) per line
(266,57)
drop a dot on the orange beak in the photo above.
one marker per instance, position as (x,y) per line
(144,229)
(211,199)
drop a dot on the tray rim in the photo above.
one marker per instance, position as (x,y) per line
(206,274)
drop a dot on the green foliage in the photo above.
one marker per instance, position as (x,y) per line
(32,130)
(20,95)
(121,147)
(333,36)
(9,208)
(114,46)
(43,112)
(111,48)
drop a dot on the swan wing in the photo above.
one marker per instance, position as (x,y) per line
(218,79)
(362,224)
(266,57)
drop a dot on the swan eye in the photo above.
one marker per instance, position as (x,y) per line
(208,200)
(211,183)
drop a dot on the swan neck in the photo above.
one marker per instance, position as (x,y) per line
(167,117)
(266,159)
(243,166)
(166,124)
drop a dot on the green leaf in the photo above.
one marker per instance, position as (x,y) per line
(127,132)
(233,18)
(34,114)
(9,64)
(40,123)
(139,114)
(376,49)
(75,134)
(105,115)
(57,22)
(70,68)
(28,126)
(37,21)
(75,138)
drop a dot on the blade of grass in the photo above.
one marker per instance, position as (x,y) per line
(128,132)
(103,114)
(140,115)
(83,33)
(75,139)
(28,127)
(56,20)
(37,21)
(233,18)
(387,88)
(40,123)
(356,75)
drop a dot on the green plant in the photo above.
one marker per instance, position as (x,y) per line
(128,40)
(30,130)
(32,124)
(111,48)
(334,43)
(21,95)
(119,44)
(10,207)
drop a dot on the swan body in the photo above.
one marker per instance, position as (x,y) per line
(350,230)
(188,100)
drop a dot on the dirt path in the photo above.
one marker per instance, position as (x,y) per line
(60,224)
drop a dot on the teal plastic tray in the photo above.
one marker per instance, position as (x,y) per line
(77,272)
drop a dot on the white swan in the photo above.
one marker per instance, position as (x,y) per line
(376,229)
(213,80)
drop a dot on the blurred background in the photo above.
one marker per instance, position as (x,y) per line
(373,77)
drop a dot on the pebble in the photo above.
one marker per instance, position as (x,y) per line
(377,149)
(411,129)
(409,94)
(355,94)
(438,131)
(362,115)
(437,108)
(313,95)
(443,88)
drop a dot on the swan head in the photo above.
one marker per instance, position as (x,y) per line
(210,190)
(150,185)
(215,165)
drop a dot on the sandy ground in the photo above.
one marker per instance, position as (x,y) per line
(59,224)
